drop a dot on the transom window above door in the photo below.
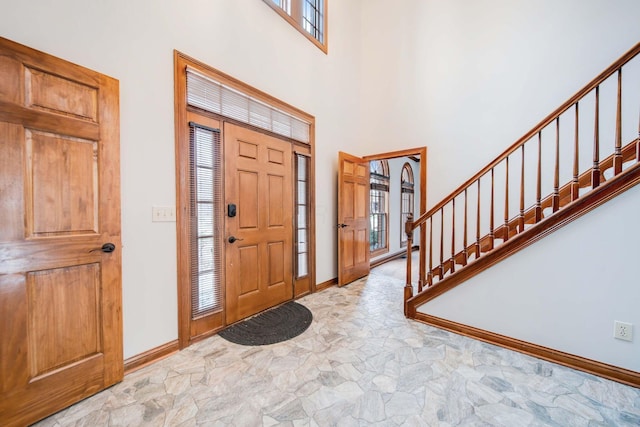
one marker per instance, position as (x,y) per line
(307,16)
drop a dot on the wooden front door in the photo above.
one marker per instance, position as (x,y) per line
(353,218)
(60,264)
(259,236)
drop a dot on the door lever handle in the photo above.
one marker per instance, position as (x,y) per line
(107,248)
(233,239)
(342,225)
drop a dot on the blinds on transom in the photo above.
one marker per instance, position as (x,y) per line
(210,95)
(206,220)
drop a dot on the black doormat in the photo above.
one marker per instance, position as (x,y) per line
(276,325)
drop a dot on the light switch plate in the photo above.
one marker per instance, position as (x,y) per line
(163,213)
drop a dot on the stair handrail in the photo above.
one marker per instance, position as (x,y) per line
(411,225)
(544,123)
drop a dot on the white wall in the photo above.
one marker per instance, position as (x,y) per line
(565,291)
(133,41)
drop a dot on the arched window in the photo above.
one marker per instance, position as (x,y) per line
(379,206)
(406,200)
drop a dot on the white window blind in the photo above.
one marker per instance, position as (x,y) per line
(206,93)
(206,220)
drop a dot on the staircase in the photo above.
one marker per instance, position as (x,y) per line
(583,154)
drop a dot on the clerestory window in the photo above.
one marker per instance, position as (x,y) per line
(307,16)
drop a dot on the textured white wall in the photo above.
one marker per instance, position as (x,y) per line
(133,41)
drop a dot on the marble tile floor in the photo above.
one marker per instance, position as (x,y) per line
(360,363)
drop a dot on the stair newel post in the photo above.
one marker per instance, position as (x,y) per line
(538,208)
(595,171)
(505,235)
(408,288)
(617,154)
(556,174)
(575,183)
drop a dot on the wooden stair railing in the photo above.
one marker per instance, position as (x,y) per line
(510,211)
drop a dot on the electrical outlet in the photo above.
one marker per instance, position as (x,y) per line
(622,330)
(163,213)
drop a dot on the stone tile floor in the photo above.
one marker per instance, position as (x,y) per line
(359,363)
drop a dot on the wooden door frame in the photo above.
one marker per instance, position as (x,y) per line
(421,152)
(181,62)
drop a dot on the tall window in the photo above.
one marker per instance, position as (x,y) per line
(302,215)
(379,206)
(406,200)
(307,16)
(206,220)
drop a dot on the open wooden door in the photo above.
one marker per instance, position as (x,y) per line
(353,218)
(60,263)
(259,223)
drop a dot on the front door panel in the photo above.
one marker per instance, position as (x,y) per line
(258,180)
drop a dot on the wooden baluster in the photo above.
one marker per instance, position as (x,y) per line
(506,201)
(617,154)
(441,243)
(538,208)
(478,224)
(453,235)
(521,217)
(408,287)
(555,201)
(464,237)
(430,277)
(595,170)
(492,213)
(575,182)
(638,142)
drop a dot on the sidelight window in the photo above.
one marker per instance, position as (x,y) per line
(302,216)
(206,220)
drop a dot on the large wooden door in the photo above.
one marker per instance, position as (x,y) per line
(353,218)
(60,280)
(259,236)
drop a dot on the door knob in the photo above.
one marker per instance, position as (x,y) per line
(107,248)
(233,239)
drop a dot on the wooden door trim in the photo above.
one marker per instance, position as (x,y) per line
(181,61)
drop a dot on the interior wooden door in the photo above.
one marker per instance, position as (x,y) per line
(60,269)
(259,230)
(353,218)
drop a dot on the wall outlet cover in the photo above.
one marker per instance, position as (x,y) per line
(622,330)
